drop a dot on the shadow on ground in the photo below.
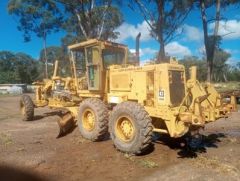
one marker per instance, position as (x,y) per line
(68,127)
(208,141)
(180,144)
(52,113)
(9,173)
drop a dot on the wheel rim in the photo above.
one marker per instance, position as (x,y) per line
(124,129)
(88,120)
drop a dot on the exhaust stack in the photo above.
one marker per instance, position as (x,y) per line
(137,48)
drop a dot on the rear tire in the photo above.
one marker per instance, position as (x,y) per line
(27,108)
(93,119)
(130,128)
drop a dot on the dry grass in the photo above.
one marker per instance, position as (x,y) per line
(5,139)
(79,140)
(227,86)
(214,163)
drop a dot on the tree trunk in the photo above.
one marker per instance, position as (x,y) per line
(81,26)
(225,77)
(45,55)
(161,53)
(210,46)
(206,40)
(218,5)
(103,22)
(209,72)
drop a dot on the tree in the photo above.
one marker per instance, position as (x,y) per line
(18,68)
(38,17)
(189,61)
(26,68)
(220,67)
(57,53)
(91,19)
(164,18)
(53,53)
(210,41)
(7,73)
(234,73)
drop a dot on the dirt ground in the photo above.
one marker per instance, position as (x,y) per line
(30,151)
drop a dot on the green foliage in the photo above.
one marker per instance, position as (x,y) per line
(34,16)
(53,53)
(18,68)
(221,70)
(56,53)
(70,39)
(90,19)
(189,61)
(233,73)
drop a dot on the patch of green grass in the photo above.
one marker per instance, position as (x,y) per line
(148,163)
(142,162)
(129,157)
(5,139)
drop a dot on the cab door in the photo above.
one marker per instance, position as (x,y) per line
(93,68)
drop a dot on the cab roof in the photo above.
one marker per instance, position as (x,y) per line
(95,41)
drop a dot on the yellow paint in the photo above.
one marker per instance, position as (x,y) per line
(88,120)
(174,102)
(124,129)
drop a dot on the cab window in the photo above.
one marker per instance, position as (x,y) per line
(80,62)
(112,57)
(89,55)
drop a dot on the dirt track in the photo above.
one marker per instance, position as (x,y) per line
(30,151)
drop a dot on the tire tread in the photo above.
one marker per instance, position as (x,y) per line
(102,114)
(27,102)
(144,121)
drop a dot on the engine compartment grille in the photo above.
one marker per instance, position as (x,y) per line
(176,86)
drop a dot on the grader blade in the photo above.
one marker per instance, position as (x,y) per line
(66,124)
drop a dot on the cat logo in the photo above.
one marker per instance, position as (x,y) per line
(161,95)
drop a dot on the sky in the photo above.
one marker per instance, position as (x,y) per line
(189,42)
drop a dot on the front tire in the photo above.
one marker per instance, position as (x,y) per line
(130,128)
(26,108)
(93,119)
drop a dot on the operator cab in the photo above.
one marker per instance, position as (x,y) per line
(92,58)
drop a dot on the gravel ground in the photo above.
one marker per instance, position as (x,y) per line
(30,151)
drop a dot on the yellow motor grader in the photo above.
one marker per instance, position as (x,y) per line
(107,94)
